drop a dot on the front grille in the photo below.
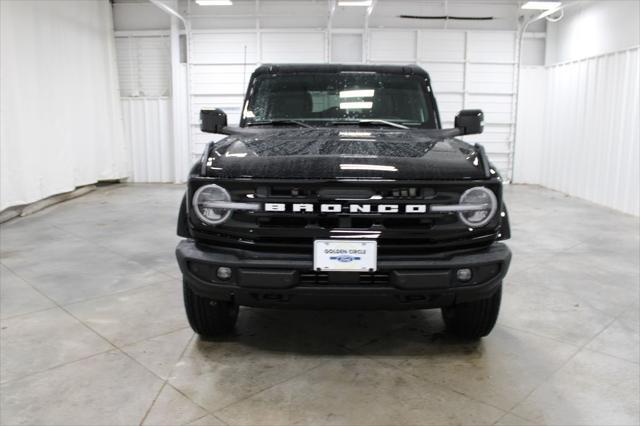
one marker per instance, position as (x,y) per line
(297,192)
(345,222)
(397,233)
(312,278)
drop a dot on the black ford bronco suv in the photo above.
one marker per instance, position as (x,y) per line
(340,190)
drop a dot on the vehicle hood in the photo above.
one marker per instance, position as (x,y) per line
(343,153)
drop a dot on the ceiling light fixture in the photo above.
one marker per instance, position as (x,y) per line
(364,3)
(214,2)
(541,5)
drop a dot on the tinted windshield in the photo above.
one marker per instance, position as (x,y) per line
(335,97)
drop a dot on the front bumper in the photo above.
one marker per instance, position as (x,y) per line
(288,281)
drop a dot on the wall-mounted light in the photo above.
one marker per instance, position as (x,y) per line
(542,5)
(214,2)
(364,3)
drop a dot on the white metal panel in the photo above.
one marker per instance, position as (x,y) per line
(128,73)
(144,66)
(154,64)
(490,78)
(346,48)
(200,141)
(474,69)
(298,14)
(496,108)
(182,130)
(301,21)
(445,77)
(533,50)
(491,46)
(392,46)
(224,48)
(497,134)
(441,46)
(230,104)
(496,141)
(145,80)
(147,124)
(219,75)
(220,79)
(531,122)
(449,104)
(590,146)
(295,46)
(489,87)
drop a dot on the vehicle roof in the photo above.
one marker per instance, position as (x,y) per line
(409,69)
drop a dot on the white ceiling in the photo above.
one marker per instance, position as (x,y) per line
(315,14)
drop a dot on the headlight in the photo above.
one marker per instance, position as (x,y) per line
(482,204)
(204,201)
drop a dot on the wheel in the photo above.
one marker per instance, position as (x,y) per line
(208,317)
(473,320)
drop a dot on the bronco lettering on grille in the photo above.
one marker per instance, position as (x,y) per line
(345,208)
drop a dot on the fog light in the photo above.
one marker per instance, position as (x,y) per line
(224,273)
(463,274)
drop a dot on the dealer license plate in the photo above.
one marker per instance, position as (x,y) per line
(345,255)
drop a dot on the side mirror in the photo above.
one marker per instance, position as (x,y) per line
(470,121)
(212,120)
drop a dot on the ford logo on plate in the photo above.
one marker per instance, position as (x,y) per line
(345,258)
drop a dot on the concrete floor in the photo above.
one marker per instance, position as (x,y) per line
(93,331)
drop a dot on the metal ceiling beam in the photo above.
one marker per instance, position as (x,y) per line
(332,11)
(169,10)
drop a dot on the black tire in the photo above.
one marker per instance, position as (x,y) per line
(473,320)
(208,317)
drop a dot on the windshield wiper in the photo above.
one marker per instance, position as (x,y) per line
(370,122)
(277,122)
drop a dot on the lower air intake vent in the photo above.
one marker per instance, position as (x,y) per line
(327,278)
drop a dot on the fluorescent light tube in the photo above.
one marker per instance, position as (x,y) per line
(355,134)
(356,105)
(214,2)
(354,3)
(541,5)
(375,167)
(366,93)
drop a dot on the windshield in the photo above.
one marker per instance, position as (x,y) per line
(332,98)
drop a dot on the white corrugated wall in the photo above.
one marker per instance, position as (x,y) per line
(144,69)
(532,106)
(60,123)
(590,147)
(579,131)
(147,127)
